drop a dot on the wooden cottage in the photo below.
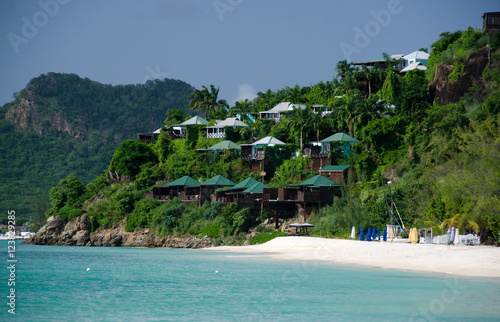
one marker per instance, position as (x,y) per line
(208,188)
(174,189)
(148,137)
(300,198)
(336,173)
(231,194)
(218,130)
(491,22)
(255,155)
(179,131)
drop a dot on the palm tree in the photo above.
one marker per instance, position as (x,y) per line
(299,118)
(346,76)
(266,100)
(369,109)
(391,87)
(207,101)
(243,106)
(295,94)
(320,94)
(462,222)
(348,109)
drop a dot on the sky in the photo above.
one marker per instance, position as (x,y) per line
(242,46)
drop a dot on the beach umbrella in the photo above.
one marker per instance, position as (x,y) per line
(456,241)
(362,233)
(296,225)
(369,234)
(353,232)
(391,234)
(385,234)
(378,233)
(374,233)
(452,236)
(413,238)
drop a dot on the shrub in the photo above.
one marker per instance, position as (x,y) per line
(213,210)
(213,230)
(130,156)
(69,212)
(126,198)
(265,237)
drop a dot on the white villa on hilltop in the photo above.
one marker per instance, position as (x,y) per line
(276,112)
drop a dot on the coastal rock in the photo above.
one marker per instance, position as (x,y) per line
(57,232)
(109,237)
(77,232)
(49,234)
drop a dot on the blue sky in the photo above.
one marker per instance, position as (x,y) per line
(243,46)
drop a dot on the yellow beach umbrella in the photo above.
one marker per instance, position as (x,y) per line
(413,236)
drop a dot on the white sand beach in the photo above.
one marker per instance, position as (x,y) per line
(479,261)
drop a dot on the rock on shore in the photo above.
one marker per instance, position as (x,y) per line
(77,232)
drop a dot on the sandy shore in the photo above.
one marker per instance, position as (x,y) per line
(480,261)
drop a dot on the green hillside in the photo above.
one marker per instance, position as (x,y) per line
(433,134)
(62,123)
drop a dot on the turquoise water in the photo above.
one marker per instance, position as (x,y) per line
(142,284)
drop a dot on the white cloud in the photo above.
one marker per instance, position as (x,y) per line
(245,91)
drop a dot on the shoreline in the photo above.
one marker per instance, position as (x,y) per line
(471,261)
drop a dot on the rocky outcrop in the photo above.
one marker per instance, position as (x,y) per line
(26,115)
(57,232)
(48,234)
(445,92)
(77,232)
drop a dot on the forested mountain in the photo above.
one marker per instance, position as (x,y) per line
(62,123)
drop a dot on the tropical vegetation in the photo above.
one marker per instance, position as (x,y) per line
(440,158)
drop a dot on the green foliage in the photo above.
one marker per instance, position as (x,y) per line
(206,100)
(67,193)
(454,49)
(346,211)
(412,104)
(69,212)
(292,171)
(277,154)
(126,198)
(98,184)
(232,134)
(148,176)
(130,156)
(192,136)
(213,210)
(391,87)
(236,220)
(265,237)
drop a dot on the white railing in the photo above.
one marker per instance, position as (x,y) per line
(215,135)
